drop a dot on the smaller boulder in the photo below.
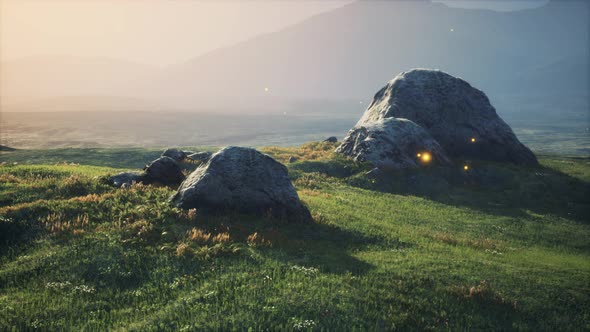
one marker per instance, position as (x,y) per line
(331,139)
(126,179)
(392,144)
(292,159)
(164,170)
(201,157)
(175,154)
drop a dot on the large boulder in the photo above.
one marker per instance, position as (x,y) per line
(175,154)
(244,180)
(164,170)
(459,116)
(392,144)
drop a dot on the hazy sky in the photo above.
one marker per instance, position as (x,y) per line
(499,5)
(157,32)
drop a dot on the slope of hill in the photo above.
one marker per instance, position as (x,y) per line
(425,250)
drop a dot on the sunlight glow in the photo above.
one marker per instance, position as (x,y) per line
(426,157)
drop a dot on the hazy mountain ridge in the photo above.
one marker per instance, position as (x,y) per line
(346,53)
(357,48)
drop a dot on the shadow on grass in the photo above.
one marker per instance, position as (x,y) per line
(313,244)
(492,188)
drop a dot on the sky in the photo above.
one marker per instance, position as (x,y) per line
(161,32)
(498,5)
(147,31)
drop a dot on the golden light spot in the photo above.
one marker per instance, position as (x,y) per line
(472,139)
(466,167)
(426,157)
(419,155)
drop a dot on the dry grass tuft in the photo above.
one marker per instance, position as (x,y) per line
(483,243)
(56,223)
(9,178)
(307,181)
(92,198)
(479,244)
(183,249)
(313,193)
(319,218)
(256,240)
(446,238)
(221,238)
(305,152)
(188,215)
(199,236)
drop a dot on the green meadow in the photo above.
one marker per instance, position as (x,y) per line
(498,247)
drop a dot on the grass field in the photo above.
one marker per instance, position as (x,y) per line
(498,247)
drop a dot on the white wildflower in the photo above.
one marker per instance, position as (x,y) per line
(84,289)
(58,285)
(299,324)
(308,271)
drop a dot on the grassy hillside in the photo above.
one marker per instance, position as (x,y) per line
(498,247)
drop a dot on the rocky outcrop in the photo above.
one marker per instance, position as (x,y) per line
(6,148)
(392,144)
(127,178)
(164,170)
(244,180)
(175,154)
(459,116)
(331,139)
(201,157)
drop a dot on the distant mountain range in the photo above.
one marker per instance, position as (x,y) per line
(348,53)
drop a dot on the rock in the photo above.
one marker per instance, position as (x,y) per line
(331,139)
(244,180)
(292,159)
(6,148)
(392,144)
(459,116)
(126,179)
(175,154)
(164,170)
(201,157)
